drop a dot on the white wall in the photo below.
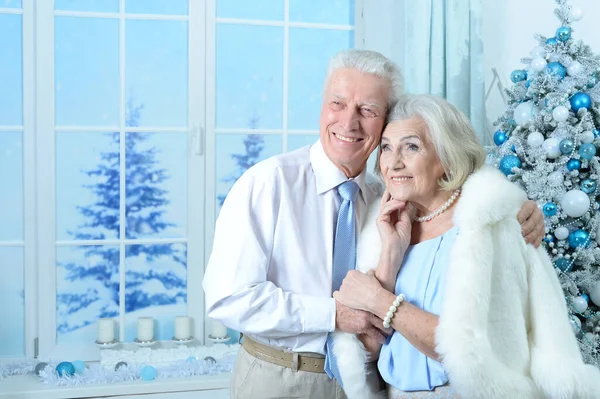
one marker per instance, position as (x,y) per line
(508,30)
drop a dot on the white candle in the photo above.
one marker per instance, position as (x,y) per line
(218,330)
(145,329)
(106,330)
(183,327)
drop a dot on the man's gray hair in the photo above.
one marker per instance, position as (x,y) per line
(450,132)
(369,62)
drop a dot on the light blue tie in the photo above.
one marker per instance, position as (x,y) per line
(344,258)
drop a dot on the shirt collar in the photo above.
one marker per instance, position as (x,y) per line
(328,175)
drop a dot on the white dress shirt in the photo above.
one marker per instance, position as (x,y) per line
(269,273)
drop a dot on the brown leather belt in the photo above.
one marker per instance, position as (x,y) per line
(311,362)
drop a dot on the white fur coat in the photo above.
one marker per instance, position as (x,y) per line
(503,330)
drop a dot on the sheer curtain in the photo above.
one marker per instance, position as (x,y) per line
(438,45)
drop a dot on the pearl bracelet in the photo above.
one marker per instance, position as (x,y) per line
(388,317)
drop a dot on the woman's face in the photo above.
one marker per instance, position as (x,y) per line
(409,163)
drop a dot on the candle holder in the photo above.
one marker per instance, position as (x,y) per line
(219,340)
(144,344)
(184,341)
(107,345)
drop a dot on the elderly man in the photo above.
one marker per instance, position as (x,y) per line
(286,237)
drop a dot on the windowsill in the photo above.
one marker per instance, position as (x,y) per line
(30,387)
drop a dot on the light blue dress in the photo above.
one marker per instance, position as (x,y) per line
(421,279)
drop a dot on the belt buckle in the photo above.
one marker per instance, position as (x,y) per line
(295,361)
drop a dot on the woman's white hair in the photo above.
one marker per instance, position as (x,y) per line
(369,62)
(450,132)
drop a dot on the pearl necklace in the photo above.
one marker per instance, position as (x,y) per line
(440,210)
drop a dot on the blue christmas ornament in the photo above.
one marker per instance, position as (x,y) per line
(563,264)
(596,133)
(556,69)
(566,146)
(527,83)
(65,369)
(551,41)
(548,239)
(549,209)
(580,100)
(191,359)
(593,81)
(578,238)
(586,297)
(518,75)
(79,366)
(588,186)
(587,151)
(574,164)
(500,137)
(513,148)
(563,33)
(508,162)
(148,373)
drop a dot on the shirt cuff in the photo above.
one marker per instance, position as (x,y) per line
(319,314)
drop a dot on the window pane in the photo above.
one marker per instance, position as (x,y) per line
(11,67)
(11,4)
(12,298)
(155,286)
(296,141)
(249,77)
(256,9)
(171,7)
(87,186)
(310,51)
(156,185)
(11,179)
(87,5)
(235,153)
(87,288)
(87,71)
(157,74)
(338,12)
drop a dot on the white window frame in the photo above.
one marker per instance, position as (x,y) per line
(45,16)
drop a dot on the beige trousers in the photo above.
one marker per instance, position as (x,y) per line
(443,392)
(256,379)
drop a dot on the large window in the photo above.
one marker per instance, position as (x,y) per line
(141,114)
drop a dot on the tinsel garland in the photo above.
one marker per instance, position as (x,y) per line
(95,374)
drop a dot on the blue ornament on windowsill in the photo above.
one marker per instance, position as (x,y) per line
(148,373)
(549,209)
(596,133)
(500,137)
(508,162)
(556,69)
(564,265)
(79,366)
(587,151)
(580,100)
(579,238)
(574,164)
(65,369)
(563,33)
(551,41)
(518,75)
(588,186)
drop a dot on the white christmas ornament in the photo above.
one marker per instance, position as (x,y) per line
(575,14)
(587,137)
(561,233)
(535,139)
(523,113)
(574,68)
(595,293)
(556,178)
(575,324)
(537,64)
(560,113)
(538,52)
(579,304)
(575,203)
(552,148)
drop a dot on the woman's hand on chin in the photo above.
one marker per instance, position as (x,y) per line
(394,227)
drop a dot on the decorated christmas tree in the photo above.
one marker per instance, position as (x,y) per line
(546,142)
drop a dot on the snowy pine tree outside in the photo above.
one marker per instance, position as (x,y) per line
(546,142)
(155,274)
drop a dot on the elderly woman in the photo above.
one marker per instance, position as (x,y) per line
(475,312)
